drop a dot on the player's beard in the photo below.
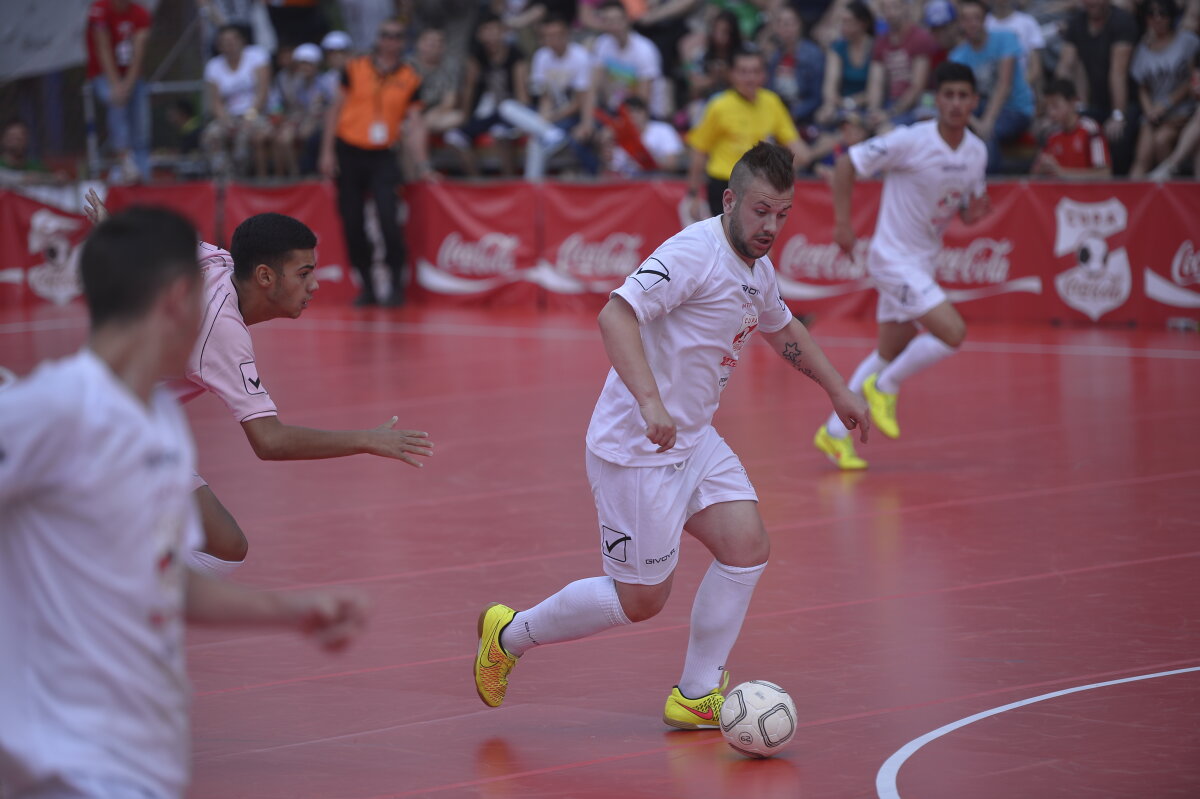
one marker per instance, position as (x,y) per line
(737,237)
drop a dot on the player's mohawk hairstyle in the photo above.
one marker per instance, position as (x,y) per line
(767,161)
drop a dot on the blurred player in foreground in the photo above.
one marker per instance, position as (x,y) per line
(674,332)
(268,274)
(95,493)
(932,171)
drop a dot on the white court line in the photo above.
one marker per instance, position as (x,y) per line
(885,780)
(590,334)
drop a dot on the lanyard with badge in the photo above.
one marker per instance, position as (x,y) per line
(378,132)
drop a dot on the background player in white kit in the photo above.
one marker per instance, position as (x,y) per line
(267,274)
(95,496)
(674,332)
(932,171)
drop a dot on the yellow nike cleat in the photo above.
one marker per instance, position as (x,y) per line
(696,714)
(883,408)
(839,450)
(493,663)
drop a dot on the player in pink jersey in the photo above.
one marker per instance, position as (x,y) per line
(268,273)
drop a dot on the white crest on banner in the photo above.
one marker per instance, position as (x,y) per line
(57,279)
(1185,271)
(1100,281)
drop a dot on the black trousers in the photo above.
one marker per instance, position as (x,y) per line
(716,193)
(375,173)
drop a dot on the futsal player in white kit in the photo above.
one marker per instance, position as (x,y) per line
(96,516)
(932,171)
(267,274)
(674,332)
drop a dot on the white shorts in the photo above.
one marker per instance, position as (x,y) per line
(642,509)
(906,291)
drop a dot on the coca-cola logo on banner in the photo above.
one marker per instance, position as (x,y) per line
(803,261)
(1185,271)
(983,263)
(1100,281)
(469,267)
(493,254)
(581,266)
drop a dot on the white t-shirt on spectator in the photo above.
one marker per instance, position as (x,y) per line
(660,139)
(563,77)
(1026,28)
(236,87)
(624,67)
(223,359)
(97,508)
(697,304)
(925,184)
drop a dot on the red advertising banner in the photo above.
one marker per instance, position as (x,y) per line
(1088,253)
(197,201)
(314,204)
(475,243)
(39,252)
(595,236)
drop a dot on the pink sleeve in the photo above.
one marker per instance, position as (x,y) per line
(228,369)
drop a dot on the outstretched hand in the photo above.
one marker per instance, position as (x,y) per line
(94,208)
(333,617)
(852,410)
(400,444)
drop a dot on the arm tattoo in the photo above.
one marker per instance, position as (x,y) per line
(792,354)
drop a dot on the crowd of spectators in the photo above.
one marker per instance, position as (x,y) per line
(1069,88)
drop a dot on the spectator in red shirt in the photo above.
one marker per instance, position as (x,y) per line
(117,31)
(1077,150)
(899,69)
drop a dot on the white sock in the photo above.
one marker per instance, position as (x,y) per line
(583,608)
(869,366)
(207,564)
(717,614)
(922,352)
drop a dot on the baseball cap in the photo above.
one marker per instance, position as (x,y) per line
(336,40)
(308,52)
(939,13)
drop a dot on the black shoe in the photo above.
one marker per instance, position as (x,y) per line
(394,300)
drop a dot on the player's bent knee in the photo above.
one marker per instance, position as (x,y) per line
(642,602)
(228,543)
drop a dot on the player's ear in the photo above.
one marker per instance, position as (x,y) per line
(264,275)
(728,198)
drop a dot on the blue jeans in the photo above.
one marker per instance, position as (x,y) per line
(1009,125)
(129,124)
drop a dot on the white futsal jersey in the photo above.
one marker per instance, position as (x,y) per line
(97,511)
(925,184)
(697,304)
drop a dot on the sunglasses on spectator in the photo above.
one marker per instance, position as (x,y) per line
(392,34)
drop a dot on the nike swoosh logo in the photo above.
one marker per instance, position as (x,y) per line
(706,715)
(485,659)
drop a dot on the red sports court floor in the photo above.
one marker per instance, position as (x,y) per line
(1028,553)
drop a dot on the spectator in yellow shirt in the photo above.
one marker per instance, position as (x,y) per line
(734,121)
